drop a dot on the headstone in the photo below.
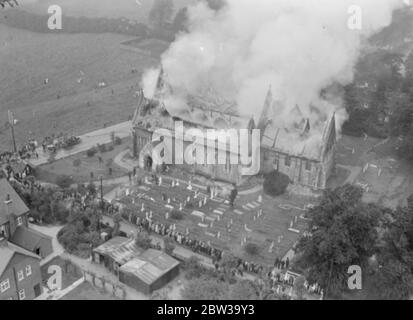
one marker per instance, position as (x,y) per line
(180,207)
(219,235)
(160,181)
(173,183)
(200,203)
(189,185)
(205,201)
(260,198)
(143,207)
(167,216)
(291,224)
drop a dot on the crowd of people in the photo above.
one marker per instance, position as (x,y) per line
(27,151)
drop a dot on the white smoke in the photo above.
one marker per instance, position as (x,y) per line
(298,47)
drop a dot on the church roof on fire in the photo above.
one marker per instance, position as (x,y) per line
(202,110)
(296,141)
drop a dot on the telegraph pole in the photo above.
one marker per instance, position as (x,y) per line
(11,123)
(101,197)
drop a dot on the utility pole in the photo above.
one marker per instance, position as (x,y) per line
(101,196)
(11,123)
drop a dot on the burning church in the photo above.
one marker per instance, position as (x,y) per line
(308,159)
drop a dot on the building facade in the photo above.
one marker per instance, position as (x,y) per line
(308,165)
(20,275)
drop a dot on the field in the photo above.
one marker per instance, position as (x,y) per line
(130,9)
(71,101)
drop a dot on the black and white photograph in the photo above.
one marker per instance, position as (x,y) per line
(205,157)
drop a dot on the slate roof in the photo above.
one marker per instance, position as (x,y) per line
(7,252)
(28,238)
(17,207)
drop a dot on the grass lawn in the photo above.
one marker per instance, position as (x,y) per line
(86,291)
(74,64)
(81,174)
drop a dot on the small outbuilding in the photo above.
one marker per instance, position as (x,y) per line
(151,271)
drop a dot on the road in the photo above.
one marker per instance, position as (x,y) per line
(89,140)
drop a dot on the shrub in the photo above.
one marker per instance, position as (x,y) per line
(177,215)
(276,183)
(118,141)
(91,152)
(252,249)
(64,182)
(143,240)
(102,148)
(77,162)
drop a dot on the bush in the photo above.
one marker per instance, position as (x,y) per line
(64,182)
(177,215)
(102,148)
(91,152)
(276,183)
(77,162)
(143,240)
(118,141)
(252,249)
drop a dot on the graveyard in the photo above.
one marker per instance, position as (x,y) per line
(273,224)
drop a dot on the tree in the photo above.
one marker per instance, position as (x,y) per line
(143,240)
(276,183)
(205,289)
(393,278)
(193,268)
(64,181)
(161,12)
(342,233)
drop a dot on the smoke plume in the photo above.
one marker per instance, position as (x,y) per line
(297,47)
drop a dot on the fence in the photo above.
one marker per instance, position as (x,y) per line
(105,285)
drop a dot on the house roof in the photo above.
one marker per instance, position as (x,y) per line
(150,265)
(119,249)
(28,238)
(7,252)
(17,207)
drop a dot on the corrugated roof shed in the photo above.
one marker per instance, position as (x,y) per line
(150,265)
(119,249)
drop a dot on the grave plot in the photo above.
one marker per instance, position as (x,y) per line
(274,225)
